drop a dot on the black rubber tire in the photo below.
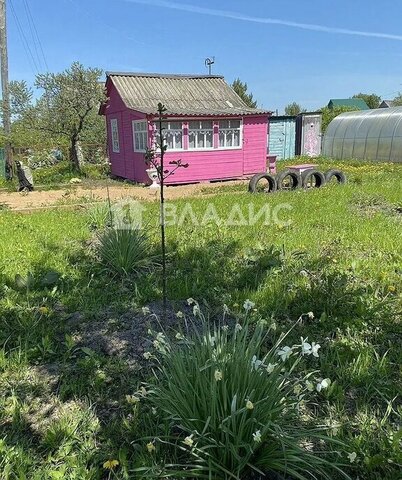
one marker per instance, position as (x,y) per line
(271,182)
(318,176)
(294,176)
(338,174)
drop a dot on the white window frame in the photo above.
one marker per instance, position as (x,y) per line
(233,147)
(203,131)
(166,128)
(114,129)
(140,132)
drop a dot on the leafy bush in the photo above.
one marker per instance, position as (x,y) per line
(62,172)
(125,252)
(235,410)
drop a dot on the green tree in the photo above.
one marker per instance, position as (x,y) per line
(328,114)
(241,89)
(398,100)
(372,100)
(67,108)
(294,109)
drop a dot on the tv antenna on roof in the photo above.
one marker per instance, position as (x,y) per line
(208,63)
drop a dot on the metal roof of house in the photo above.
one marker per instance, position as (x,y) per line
(195,95)
(357,103)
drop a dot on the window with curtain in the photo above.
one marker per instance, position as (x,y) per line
(229,133)
(173,134)
(115,135)
(200,134)
(140,135)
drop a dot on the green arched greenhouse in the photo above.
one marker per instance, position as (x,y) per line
(366,135)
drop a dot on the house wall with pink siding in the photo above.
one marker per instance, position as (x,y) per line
(255,130)
(127,163)
(219,164)
(204,165)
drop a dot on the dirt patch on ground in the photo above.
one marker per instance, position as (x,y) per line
(371,205)
(83,194)
(126,336)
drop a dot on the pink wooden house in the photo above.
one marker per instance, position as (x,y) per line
(207,126)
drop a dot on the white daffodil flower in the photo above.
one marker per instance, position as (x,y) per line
(191,301)
(218,375)
(132,399)
(238,327)
(248,305)
(180,314)
(196,310)
(257,436)
(314,349)
(305,347)
(255,363)
(323,384)
(249,405)
(285,353)
(147,355)
(160,337)
(352,457)
(189,441)
(145,310)
(310,315)
(271,367)
(179,336)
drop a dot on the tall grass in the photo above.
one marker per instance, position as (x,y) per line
(125,252)
(235,408)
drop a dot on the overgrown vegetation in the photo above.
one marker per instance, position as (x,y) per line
(242,408)
(73,338)
(328,114)
(66,112)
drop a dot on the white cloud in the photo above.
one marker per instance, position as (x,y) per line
(269,21)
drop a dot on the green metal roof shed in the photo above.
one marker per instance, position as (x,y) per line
(357,103)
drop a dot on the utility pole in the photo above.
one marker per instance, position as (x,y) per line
(5,90)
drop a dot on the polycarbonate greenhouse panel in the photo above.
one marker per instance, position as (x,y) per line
(366,135)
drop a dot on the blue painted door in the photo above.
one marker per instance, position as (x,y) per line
(282,137)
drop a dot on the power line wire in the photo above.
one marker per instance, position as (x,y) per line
(24,40)
(34,33)
(34,42)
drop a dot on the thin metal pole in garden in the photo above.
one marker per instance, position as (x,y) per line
(161,109)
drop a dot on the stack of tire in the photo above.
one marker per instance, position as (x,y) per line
(291,180)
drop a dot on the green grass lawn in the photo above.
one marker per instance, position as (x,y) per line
(337,252)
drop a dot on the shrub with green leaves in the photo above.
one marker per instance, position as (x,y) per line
(125,252)
(237,409)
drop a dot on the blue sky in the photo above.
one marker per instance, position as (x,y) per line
(287,50)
